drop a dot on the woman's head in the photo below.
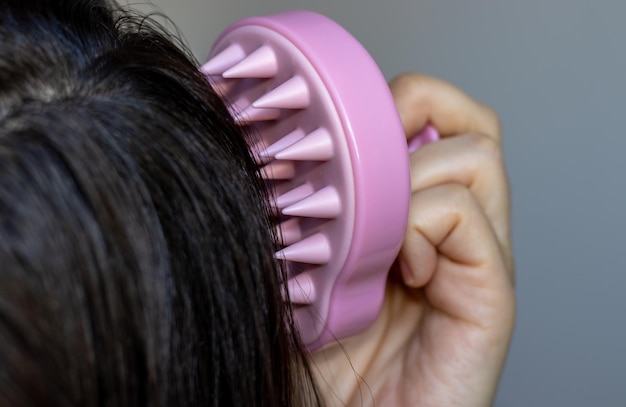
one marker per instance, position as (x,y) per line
(136,259)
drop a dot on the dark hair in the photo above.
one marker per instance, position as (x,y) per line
(136,249)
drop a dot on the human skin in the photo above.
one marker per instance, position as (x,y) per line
(443,334)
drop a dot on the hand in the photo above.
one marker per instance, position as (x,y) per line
(444,330)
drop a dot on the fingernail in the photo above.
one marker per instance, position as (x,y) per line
(407,275)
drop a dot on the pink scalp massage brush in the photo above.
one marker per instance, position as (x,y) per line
(332,147)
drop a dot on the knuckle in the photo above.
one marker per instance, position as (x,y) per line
(489,149)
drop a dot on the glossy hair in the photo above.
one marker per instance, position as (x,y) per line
(136,254)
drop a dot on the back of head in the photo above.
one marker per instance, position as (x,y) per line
(136,259)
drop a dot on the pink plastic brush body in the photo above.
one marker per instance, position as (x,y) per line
(334,150)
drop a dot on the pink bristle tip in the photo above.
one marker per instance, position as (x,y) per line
(314,250)
(279,170)
(283,143)
(317,146)
(261,63)
(292,94)
(295,195)
(301,289)
(223,61)
(256,151)
(324,203)
(251,114)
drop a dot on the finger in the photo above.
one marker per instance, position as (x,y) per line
(474,161)
(422,99)
(451,251)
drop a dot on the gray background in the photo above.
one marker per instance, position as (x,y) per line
(554,70)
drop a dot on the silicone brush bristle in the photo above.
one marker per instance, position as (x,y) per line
(291,94)
(261,63)
(294,195)
(282,144)
(317,146)
(314,250)
(226,59)
(324,203)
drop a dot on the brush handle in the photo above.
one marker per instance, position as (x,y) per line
(331,145)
